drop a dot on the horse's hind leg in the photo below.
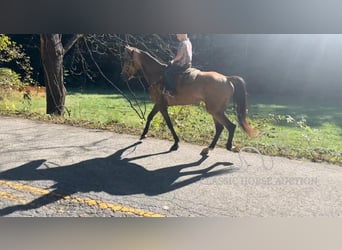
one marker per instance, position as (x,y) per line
(153,112)
(221,118)
(218,129)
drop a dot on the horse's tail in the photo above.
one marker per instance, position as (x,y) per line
(240,98)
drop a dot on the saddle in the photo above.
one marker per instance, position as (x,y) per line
(184,76)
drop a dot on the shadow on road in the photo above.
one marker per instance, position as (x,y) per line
(113,175)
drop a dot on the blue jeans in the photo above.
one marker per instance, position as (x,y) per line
(170,74)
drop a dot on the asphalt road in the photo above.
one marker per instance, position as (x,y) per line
(57,170)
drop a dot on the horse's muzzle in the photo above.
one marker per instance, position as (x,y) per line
(126,77)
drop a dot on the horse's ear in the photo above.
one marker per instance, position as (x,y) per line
(129,49)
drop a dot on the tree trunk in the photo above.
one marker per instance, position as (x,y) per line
(52,53)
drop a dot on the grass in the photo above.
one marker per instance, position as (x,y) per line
(301,129)
(290,127)
(103,108)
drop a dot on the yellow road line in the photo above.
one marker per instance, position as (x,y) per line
(23,187)
(80,200)
(12,197)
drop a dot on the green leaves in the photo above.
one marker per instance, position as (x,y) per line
(9,78)
(11,51)
(4,42)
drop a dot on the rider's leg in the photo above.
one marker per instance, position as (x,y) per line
(170,76)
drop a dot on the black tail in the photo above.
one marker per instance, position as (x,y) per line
(240,98)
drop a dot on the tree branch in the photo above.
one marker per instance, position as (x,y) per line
(71,42)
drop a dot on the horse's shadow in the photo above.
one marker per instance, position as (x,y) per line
(113,175)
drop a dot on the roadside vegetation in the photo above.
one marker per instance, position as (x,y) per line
(302,129)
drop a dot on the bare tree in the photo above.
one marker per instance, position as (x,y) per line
(52,53)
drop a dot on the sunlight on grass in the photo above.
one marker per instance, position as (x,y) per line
(105,109)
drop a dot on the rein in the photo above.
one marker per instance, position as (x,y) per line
(141,114)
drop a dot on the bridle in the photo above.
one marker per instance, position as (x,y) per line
(130,59)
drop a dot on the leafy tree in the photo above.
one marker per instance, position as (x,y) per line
(11,52)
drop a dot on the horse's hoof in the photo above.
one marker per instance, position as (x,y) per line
(143,137)
(235,149)
(205,151)
(174,147)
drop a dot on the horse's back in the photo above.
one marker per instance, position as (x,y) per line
(195,76)
(212,77)
(207,86)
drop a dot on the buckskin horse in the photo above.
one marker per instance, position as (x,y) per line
(212,88)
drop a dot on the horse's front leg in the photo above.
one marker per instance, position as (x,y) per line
(167,119)
(153,112)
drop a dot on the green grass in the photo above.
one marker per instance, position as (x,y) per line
(300,128)
(290,127)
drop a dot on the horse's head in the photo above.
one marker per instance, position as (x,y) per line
(130,67)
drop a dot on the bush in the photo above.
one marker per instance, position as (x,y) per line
(9,84)
(9,79)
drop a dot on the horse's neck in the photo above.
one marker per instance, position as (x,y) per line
(152,70)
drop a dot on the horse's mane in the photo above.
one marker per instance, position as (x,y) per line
(152,57)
